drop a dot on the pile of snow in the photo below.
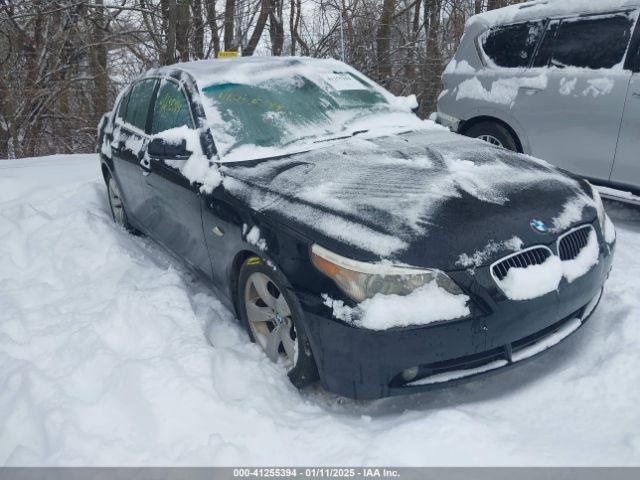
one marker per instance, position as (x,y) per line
(112,354)
(252,235)
(537,280)
(427,304)
(533,281)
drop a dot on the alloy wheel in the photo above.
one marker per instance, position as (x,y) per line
(115,202)
(270,319)
(491,139)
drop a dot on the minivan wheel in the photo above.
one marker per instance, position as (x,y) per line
(271,315)
(116,205)
(494,133)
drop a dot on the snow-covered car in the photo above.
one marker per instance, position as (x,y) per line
(357,244)
(556,79)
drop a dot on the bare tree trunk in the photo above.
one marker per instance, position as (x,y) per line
(433,61)
(100,74)
(265,5)
(477,6)
(276,27)
(229,14)
(493,4)
(183,17)
(170,20)
(383,40)
(198,29)
(210,5)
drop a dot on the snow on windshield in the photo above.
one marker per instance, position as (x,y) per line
(256,112)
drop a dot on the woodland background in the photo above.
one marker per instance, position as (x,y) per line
(62,62)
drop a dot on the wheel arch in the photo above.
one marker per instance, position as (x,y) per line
(234,273)
(488,118)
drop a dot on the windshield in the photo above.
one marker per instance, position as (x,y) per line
(295,109)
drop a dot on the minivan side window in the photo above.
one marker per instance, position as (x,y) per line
(138,105)
(171,109)
(512,46)
(588,42)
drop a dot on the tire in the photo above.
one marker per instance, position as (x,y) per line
(116,205)
(270,313)
(494,133)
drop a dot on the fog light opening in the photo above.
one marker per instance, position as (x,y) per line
(410,373)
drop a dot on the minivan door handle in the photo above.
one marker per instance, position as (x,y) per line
(531,90)
(636,94)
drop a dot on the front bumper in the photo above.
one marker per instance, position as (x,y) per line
(452,123)
(367,364)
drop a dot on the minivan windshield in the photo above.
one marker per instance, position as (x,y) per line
(296,110)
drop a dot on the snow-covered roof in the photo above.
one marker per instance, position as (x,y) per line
(242,69)
(549,8)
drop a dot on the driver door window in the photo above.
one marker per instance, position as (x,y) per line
(171,109)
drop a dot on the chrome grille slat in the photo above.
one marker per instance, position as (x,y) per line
(522,259)
(571,243)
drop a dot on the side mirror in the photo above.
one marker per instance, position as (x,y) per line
(163,149)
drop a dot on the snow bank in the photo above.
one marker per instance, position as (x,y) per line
(112,353)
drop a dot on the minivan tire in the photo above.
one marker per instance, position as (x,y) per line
(494,133)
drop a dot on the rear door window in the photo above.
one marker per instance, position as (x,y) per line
(512,46)
(138,105)
(593,42)
(171,109)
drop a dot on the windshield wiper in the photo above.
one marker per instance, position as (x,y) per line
(353,134)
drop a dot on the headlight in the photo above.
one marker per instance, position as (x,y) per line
(599,206)
(361,280)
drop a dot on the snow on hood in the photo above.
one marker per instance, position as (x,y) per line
(386,195)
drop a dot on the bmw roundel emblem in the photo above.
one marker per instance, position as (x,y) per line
(539,226)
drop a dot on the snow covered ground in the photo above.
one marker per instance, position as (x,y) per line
(112,354)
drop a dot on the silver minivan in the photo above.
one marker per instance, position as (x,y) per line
(555,79)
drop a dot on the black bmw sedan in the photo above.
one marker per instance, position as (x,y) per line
(357,244)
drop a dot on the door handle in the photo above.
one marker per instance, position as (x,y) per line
(118,147)
(531,90)
(636,94)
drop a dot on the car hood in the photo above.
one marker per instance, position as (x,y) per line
(424,198)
